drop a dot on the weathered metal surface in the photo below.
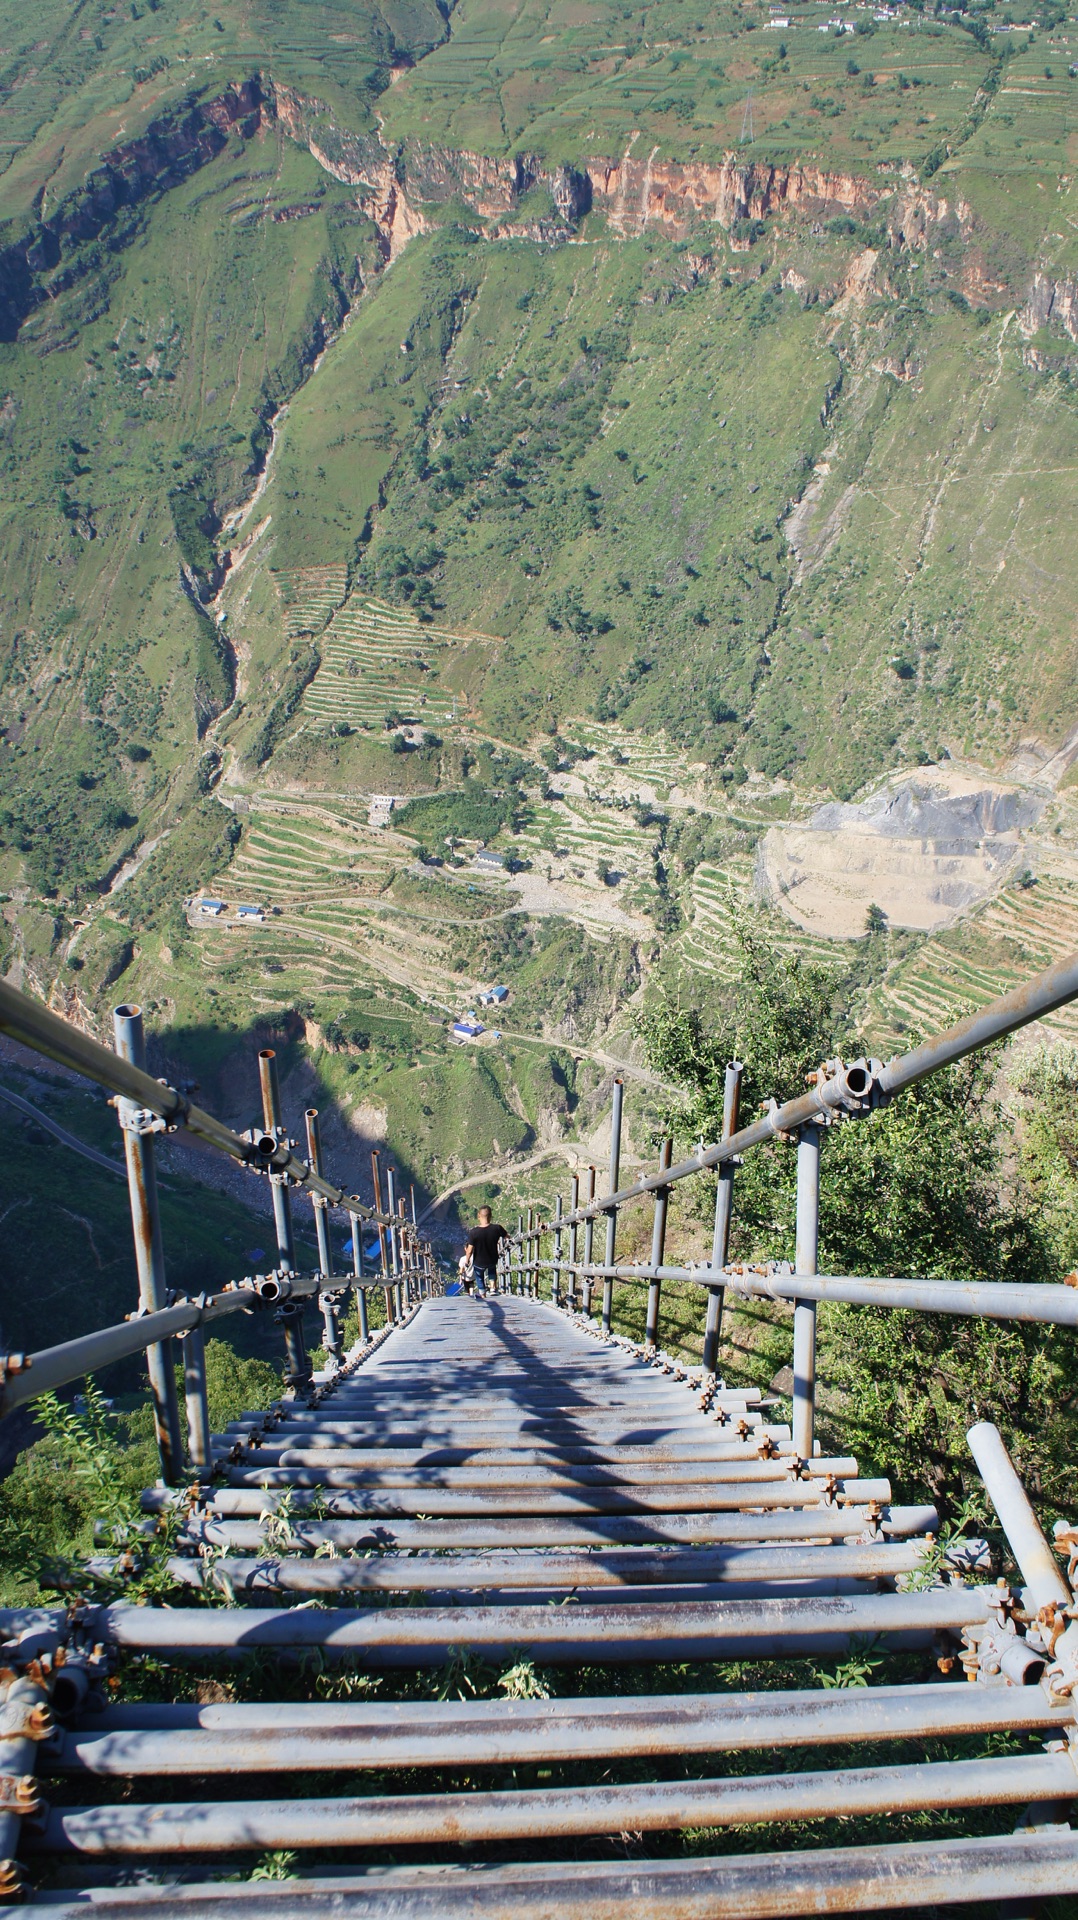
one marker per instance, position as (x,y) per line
(634,1566)
(149,1249)
(582,1530)
(55,1366)
(773,1886)
(401,1820)
(271,1736)
(702,1497)
(407,1636)
(592,1473)
(1040,1567)
(1035,1302)
(44,1032)
(493,1456)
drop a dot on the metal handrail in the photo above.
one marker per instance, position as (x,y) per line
(862,1086)
(776,1280)
(839,1091)
(146,1107)
(27,1021)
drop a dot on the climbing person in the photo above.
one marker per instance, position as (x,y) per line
(482,1246)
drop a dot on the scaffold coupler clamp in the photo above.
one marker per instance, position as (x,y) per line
(997,1652)
(141,1121)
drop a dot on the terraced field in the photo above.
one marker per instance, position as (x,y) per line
(310,595)
(291,851)
(378,659)
(323,875)
(1019,932)
(719,894)
(582,840)
(621,755)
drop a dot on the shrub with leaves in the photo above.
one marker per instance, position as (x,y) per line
(926,1186)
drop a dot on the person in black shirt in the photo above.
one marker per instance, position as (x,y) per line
(483,1243)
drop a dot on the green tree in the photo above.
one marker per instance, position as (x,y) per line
(924,1186)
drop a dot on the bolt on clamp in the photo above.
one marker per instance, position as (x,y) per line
(21,1794)
(139,1120)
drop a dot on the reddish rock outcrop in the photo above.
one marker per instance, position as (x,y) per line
(638,193)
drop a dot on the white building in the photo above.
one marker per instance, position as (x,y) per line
(379,808)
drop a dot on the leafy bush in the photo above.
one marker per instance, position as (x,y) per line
(472,813)
(92,1464)
(923,1187)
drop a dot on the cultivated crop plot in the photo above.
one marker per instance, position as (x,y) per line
(310,595)
(378,661)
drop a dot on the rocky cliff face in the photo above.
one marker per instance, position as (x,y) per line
(1052,303)
(169,150)
(400,189)
(638,193)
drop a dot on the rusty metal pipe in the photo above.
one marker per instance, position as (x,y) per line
(849,1089)
(331,1336)
(556,1476)
(199,1439)
(555,1282)
(52,1367)
(805,1261)
(407,1819)
(589,1239)
(297,1365)
(137,1123)
(658,1248)
(616,1108)
(293,1735)
(357,1268)
(724,1572)
(407,1635)
(1037,1301)
(1040,1568)
(879,1878)
(724,1202)
(574,1200)
(27,1021)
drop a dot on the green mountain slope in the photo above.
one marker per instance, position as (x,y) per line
(393,399)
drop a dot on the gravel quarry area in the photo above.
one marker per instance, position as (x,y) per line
(924,848)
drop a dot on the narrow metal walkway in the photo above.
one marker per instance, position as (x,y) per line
(497,1482)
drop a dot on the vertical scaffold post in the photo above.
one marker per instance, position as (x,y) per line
(417,1270)
(589,1244)
(394,1246)
(574,1202)
(658,1248)
(405,1255)
(555,1285)
(357,1269)
(520,1256)
(331,1336)
(199,1444)
(138,1127)
(376,1176)
(724,1203)
(529,1264)
(290,1312)
(805,1256)
(612,1216)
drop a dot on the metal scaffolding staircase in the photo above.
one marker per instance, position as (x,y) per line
(414,1615)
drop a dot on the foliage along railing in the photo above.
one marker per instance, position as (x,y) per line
(146,1107)
(839,1092)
